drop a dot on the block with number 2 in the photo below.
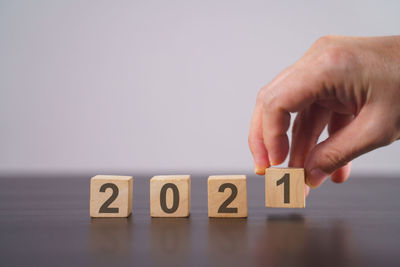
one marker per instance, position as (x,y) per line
(111,196)
(284,188)
(227,196)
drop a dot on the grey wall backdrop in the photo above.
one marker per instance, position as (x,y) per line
(156,85)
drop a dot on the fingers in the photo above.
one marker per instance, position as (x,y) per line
(306,130)
(294,93)
(256,142)
(339,149)
(256,139)
(338,121)
(276,140)
(341,174)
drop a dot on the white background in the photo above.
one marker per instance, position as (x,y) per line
(156,86)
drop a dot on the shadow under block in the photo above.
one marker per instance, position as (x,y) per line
(284,188)
(170,196)
(227,196)
(111,196)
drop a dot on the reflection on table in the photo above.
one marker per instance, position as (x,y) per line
(111,239)
(227,241)
(291,240)
(170,241)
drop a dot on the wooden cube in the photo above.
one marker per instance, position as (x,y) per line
(111,196)
(284,188)
(170,196)
(227,196)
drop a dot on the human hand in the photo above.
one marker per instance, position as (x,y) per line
(351,85)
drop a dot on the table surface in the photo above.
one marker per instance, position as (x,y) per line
(44,221)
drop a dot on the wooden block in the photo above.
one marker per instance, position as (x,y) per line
(284,188)
(170,196)
(227,196)
(111,196)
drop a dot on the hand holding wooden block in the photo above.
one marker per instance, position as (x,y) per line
(227,196)
(170,196)
(111,196)
(284,188)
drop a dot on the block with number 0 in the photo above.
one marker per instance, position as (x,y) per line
(170,196)
(227,196)
(111,196)
(284,188)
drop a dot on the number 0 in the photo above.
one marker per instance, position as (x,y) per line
(285,180)
(163,198)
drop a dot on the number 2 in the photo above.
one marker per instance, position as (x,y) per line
(105,207)
(285,180)
(224,206)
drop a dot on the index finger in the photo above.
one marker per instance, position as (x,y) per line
(256,139)
(292,94)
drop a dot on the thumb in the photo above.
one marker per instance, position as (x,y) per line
(363,134)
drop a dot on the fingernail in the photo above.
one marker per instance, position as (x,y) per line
(316,177)
(273,161)
(306,190)
(259,171)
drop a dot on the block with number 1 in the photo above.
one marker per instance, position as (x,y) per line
(284,188)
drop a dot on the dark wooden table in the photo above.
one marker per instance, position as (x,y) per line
(44,221)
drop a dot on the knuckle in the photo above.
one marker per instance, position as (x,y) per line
(270,101)
(331,159)
(333,56)
(337,58)
(324,40)
(261,94)
(266,95)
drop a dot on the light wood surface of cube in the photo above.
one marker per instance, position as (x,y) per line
(116,191)
(221,190)
(164,190)
(275,194)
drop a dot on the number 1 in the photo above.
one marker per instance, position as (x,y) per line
(285,180)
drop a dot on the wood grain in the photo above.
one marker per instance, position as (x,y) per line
(217,195)
(274,194)
(123,201)
(182,183)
